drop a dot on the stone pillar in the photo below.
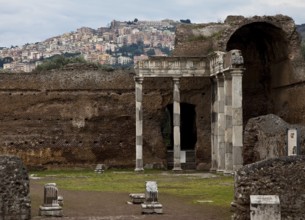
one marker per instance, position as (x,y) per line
(237,118)
(228,122)
(176,124)
(220,124)
(214,164)
(139,124)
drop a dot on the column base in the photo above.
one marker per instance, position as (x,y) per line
(220,171)
(177,169)
(50,211)
(152,208)
(228,173)
(139,170)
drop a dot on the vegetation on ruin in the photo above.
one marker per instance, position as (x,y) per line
(196,188)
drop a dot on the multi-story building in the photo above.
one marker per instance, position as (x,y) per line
(94,43)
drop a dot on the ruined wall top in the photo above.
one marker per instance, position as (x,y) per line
(282,176)
(202,39)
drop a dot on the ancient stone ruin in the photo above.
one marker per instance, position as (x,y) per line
(81,116)
(51,207)
(266,137)
(151,204)
(100,168)
(137,198)
(14,194)
(282,176)
(265,207)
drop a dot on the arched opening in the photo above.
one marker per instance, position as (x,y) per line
(265,51)
(188,129)
(188,133)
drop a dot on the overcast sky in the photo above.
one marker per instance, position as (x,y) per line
(29,21)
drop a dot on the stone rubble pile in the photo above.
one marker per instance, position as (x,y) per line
(15,202)
(283,176)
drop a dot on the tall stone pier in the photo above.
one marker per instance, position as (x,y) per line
(139,124)
(176,124)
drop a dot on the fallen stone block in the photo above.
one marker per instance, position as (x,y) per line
(151,208)
(137,198)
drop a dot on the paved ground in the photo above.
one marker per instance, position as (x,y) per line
(80,205)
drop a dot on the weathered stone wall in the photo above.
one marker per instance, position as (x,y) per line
(81,116)
(283,176)
(265,137)
(274,66)
(202,39)
(290,104)
(15,203)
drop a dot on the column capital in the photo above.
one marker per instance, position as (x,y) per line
(237,72)
(138,79)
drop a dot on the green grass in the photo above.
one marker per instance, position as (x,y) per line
(194,188)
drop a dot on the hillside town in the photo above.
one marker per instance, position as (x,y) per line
(119,44)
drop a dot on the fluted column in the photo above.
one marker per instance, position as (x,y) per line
(139,124)
(220,124)
(228,122)
(237,118)
(176,124)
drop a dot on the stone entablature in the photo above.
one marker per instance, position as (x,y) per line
(216,63)
(172,67)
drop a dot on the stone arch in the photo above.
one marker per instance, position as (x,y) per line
(265,49)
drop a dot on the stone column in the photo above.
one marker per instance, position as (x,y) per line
(139,124)
(214,164)
(220,124)
(237,118)
(228,122)
(176,124)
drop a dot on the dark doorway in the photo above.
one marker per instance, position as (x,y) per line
(188,130)
(265,50)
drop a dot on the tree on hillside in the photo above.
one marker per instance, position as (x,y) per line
(7,59)
(187,21)
(59,61)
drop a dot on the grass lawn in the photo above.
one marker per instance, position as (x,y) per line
(195,187)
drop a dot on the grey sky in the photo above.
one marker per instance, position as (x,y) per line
(36,20)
